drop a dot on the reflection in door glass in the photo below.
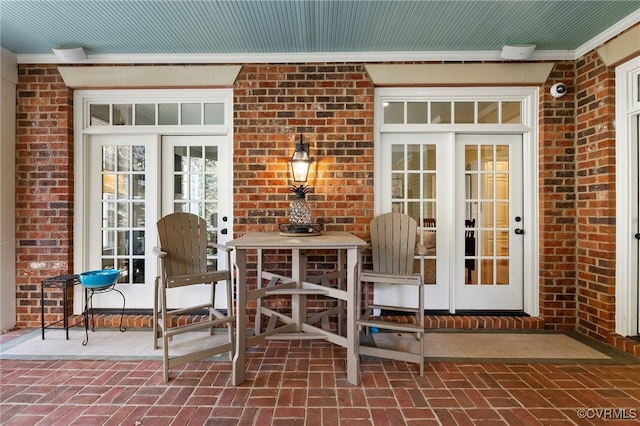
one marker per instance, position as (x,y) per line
(123,213)
(486,215)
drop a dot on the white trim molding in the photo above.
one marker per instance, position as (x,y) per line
(627,117)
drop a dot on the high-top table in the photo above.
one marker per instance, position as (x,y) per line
(298,325)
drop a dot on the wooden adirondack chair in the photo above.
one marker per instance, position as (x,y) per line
(393,243)
(183,262)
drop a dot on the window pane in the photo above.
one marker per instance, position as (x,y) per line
(190,114)
(168,114)
(417,113)
(464,112)
(99,115)
(214,113)
(145,114)
(394,113)
(440,112)
(488,112)
(511,112)
(122,115)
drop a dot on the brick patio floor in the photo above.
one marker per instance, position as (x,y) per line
(304,383)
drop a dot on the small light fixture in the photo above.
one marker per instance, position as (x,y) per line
(300,162)
(74,54)
(517,51)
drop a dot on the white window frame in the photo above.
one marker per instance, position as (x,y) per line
(627,111)
(528,96)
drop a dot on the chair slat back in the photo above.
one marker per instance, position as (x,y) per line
(183,236)
(393,242)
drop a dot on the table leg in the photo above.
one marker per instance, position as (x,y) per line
(353,358)
(42,307)
(238,369)
(65,317)
(298,274)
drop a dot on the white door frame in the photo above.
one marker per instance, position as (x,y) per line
(627,116)
(82,132)
(529,96)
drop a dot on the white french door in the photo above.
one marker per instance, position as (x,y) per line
(489,202)
(193,180)
(135,180)
(466,193)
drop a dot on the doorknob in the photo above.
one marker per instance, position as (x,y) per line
(637,236)
(519,231)
(223,231)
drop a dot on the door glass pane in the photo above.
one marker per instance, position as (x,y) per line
(413,157)
(123,211)
(429,157)
(397,157)
(413,187)
(397,185)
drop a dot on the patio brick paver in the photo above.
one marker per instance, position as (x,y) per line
(304,383)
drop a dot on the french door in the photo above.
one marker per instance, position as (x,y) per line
(135,180)
(466,193)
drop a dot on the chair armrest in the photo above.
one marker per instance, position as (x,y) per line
(158,252)
(219,247)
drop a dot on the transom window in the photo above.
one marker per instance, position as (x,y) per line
(450,112)
(160,114)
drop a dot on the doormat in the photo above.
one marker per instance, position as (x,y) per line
(105,344)
(500,346)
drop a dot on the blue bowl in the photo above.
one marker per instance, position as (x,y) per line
(99,278)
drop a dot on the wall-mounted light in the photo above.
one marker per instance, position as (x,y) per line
(300,162)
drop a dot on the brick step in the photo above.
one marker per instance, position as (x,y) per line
(456,322)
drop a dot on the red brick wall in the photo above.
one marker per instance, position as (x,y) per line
(595,192)
(557,201)
(332,106)
(44,188)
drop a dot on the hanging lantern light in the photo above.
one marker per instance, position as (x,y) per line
(300,162)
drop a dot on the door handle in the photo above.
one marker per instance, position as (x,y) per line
(637,236)
(223,231)
(519,231)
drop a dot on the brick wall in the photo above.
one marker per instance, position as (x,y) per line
(557,201)
(44,189)
(331,105)
(595,192)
